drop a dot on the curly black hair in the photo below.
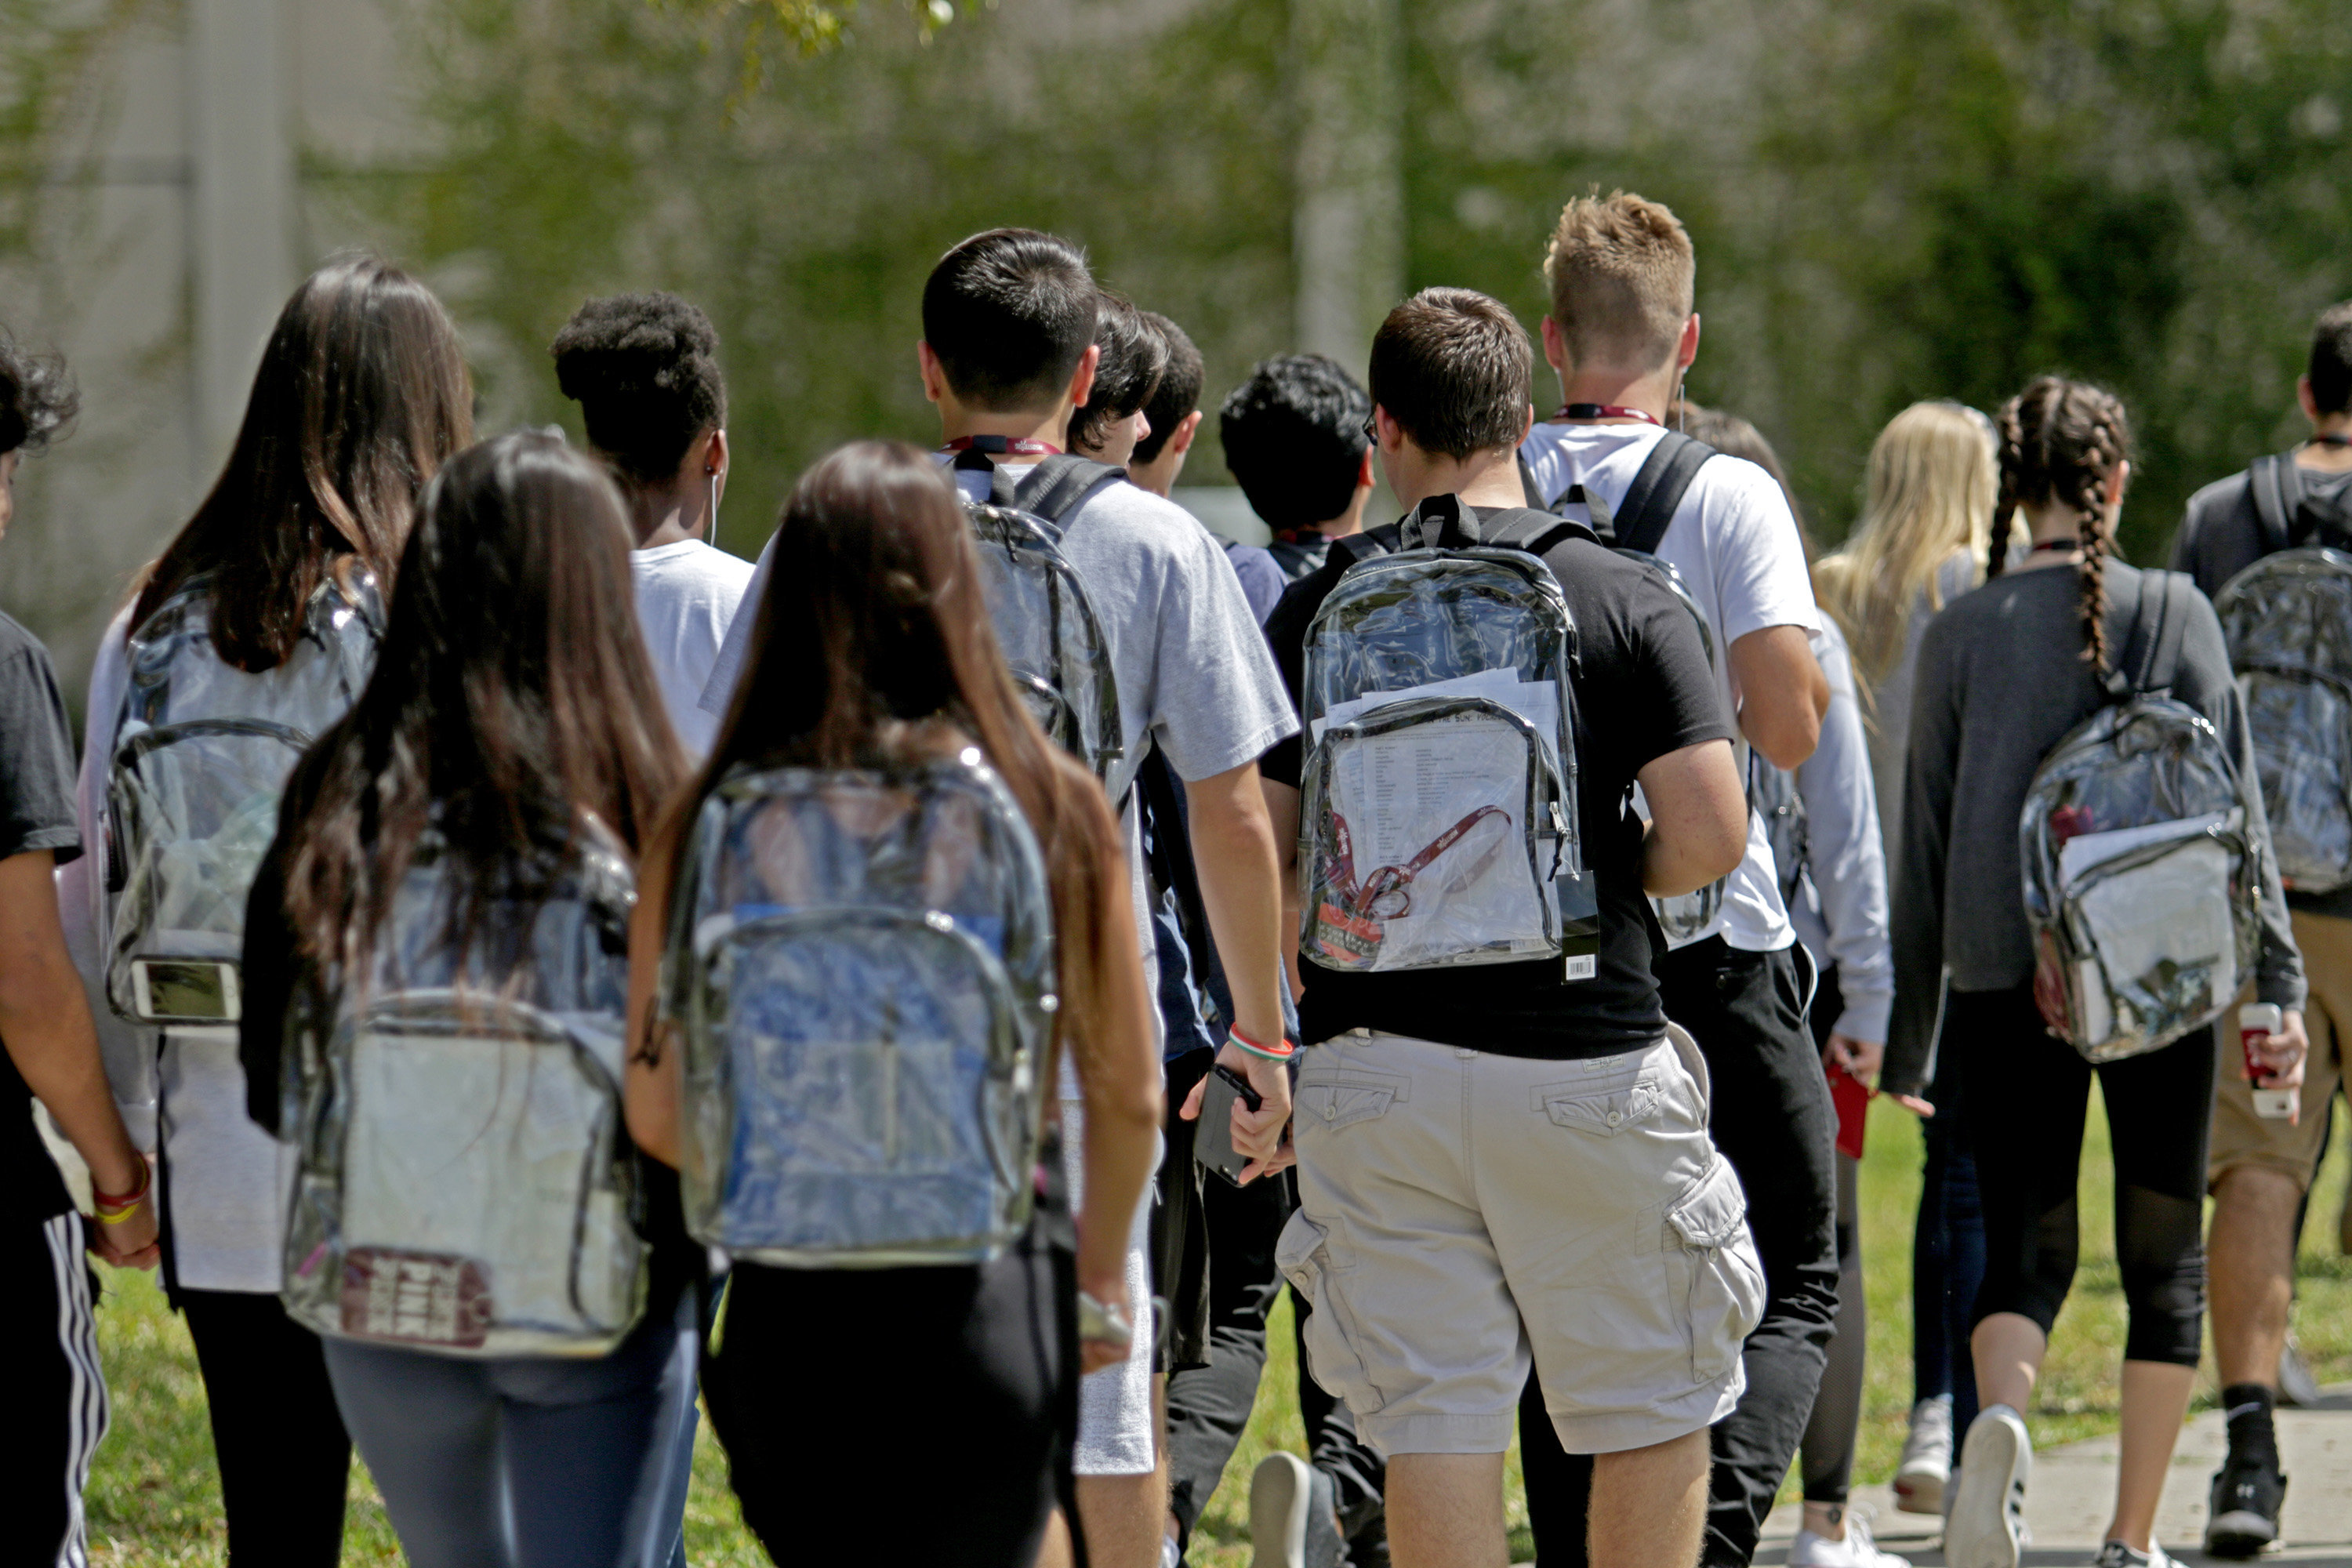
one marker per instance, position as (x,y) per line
(644,370)
(1294,437)
(38,396)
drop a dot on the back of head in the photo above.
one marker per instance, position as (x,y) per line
(1010,313)
(1178,391)
(498,731)
(1453,367)
(1133,362)
(2331,360)
(1928,495)
(1620,271)
(644,370)
(2059,441)
(1294,437)
(38,396)
(362,394)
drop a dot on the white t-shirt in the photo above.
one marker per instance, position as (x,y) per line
(688,593)
(1736,545)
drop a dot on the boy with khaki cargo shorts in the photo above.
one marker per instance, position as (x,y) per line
(1507,1163)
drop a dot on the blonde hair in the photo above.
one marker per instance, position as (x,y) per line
(1929,495)
(1621,272)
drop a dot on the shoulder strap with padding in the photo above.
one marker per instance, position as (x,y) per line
(1053,488)
(1537,533)
(2278,491)
(1350,548)
(1648,508)
(2163,665)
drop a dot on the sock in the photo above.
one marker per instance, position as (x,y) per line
(2247,1406)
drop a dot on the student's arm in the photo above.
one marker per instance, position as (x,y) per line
(1781,692)
(1234,853)
(650,1093)
(1699,819)
(45,1021)
(1282,813)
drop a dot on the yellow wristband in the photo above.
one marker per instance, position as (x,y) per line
(119,1216)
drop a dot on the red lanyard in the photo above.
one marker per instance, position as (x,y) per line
(1606,411)
(1009,445)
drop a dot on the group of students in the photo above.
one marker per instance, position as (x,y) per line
(518,967)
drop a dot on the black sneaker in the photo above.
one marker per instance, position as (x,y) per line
(2242,1513)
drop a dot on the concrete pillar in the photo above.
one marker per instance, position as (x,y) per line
(241,234)
(1347,79)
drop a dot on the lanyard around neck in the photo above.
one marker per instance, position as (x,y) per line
(1606,411)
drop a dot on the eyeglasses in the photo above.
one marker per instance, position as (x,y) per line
(1372,429)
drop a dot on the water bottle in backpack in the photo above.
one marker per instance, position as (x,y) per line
(2287,620)
(201,754)
(465,1181)
(2142,874)
(1439,814)
(860,973)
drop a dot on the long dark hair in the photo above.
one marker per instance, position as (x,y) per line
(363,392)
(2059,441)
(512,697)
(874,645)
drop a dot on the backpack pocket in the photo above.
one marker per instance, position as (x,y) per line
(2154,943)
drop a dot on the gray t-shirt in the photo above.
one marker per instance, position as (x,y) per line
(1889,701)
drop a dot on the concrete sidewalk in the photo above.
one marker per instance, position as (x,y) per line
(2073,1490)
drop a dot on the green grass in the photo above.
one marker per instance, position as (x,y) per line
(154,1496)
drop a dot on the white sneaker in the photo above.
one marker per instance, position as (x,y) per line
(1927,1462)
(1986,1525)
(1281,1492)
(2115,1554)
(1856,1551)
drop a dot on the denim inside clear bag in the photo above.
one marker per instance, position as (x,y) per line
(202,753)
(2288,622)
(861,970)
(466,1183)
(1438,804)
(2142,886)
(1051,639)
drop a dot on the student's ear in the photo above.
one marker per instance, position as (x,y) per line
(715,457)
(1687,350)
(1082,380)
(2118,479)
(1186,429)
(935,380)
(1365,478)
(2310,403)
(1525,425)
(1555,346)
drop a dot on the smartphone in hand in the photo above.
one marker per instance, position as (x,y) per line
(1212,1134)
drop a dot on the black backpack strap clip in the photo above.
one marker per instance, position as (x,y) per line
(1054,488)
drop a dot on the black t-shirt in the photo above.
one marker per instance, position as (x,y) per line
(1643,689)
(36,812)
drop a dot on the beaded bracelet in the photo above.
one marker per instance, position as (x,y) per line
(1263,1053)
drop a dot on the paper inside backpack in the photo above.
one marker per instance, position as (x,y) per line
(2164,934)
(1536,701)
(1438,864)
(2085,850)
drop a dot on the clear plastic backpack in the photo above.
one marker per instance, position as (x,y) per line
(2288,622)
(201,754)
(1439,808)
(860,967)
(2142,874)
(465,1184)
(1051,636)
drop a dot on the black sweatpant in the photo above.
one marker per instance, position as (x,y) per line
(56,1398)
(2027,1096)
(938,1406)
(1770,1113)
(1208,1407)
(285,1458)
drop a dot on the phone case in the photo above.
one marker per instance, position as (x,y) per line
(1213,1135)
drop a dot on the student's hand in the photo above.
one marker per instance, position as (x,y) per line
(1096,1354)
(1860,1059)
(1912,1104)
(2280,1060)
(129,1242)
(1258,1134)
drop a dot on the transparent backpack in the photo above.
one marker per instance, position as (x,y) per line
(2288,622)
(1051,636)
(860,968)
(465,1184)
(201,754)
(1439,808)
(2142,875)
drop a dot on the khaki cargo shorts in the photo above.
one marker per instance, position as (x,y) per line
(2290,1148)
(1461,1214)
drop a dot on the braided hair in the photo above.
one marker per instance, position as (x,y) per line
(2059,441)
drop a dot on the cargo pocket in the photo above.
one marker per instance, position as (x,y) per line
(1346,1097)
(1606,1113)
(1707,1229)
(1304,1255)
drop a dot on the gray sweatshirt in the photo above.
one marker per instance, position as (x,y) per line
(2002,680)
(1840,912)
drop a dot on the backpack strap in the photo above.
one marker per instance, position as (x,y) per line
(1053,488)
(2158,643)
(1537,533)
(1350,548)
(2278,494)
(1656,491)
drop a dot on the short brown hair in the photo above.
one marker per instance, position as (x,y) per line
(1621,273)
(1453,367)
(2331,359)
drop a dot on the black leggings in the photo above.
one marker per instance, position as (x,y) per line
(285,1458)
(2027,1094)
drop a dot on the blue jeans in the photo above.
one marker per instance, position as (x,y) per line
(1947,1253)
(522,1462)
